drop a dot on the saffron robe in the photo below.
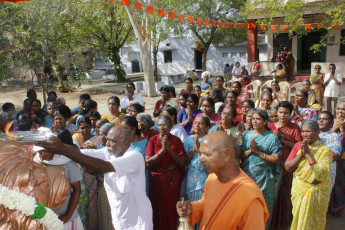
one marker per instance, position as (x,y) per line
(237,204)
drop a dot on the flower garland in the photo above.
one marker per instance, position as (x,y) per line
(28,206)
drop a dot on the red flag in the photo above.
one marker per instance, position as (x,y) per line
(240,26)
(171,15)
(137,5)
(285,28)
(227,25)
(14,1)
(247,26)
(124,2)
(221,24)
(150,9)
(199,47)
(308,27)
(190,19)
(234,25)
(181,17)
(214,24)
(198,21)
(160,12)
(263,27)
(207,22)
(274,27)
(253,26)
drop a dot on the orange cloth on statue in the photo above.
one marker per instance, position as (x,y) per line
(244,208)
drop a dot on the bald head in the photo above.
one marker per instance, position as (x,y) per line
(119,139)
(217,153)
(218,141)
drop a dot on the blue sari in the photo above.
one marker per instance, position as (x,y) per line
(140,146)
(196,175)
(267,176)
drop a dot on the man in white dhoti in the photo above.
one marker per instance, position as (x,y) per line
(124,176)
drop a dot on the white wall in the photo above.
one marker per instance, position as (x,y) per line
(183,56)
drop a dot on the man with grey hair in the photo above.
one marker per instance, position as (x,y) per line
(124,176)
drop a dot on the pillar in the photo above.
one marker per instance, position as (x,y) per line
(252,39)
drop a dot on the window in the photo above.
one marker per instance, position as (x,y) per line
(233,54)
(167,56)
(342,45)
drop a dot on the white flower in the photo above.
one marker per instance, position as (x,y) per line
(25,204)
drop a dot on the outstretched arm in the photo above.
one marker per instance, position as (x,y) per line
(95,164)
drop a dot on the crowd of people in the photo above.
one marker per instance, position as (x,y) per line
(270,164)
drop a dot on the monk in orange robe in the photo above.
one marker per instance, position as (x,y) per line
(231,199)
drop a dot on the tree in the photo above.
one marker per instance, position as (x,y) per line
(212,10)
(105,28)
(332,13)
(41,37)
(142,26)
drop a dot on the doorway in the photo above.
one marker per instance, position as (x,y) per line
(307,56)
(135,66)
(198,59)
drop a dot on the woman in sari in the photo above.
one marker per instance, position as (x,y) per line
(247,125)
(316,80)
(228,117)
(310,161)
(312,102)
(265,102)
(206,85)
(337,203)
(277,95)
(114,115)
(165,158)
(262,159)
(289,134)
(208,111)
(330,138)
(188,115)
(232,100)
(61,117)
(217,96)
(138,143)
(196,174)
(145,125)
(88,199)
(301,110)
(242,95)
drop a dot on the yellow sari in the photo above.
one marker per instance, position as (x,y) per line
(310,201)
(116,120)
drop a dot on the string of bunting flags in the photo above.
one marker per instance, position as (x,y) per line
(226,25)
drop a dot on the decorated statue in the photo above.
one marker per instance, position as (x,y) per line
(28,191)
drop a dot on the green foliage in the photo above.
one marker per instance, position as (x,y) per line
(105,27)
(293,12)
(220,11)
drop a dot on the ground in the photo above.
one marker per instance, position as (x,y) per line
(100,91)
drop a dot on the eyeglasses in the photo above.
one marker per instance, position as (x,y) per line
(317,68)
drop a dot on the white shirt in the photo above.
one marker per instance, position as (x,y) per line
(237,70)
(129,205)
(179,131)
(136,97)
(332,89)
